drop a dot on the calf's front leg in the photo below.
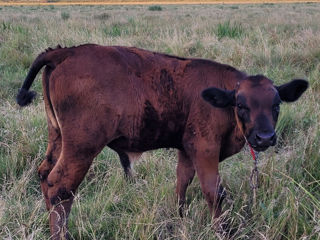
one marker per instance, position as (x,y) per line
(185,174)
(206,164)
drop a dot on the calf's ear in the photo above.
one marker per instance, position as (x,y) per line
(291,91)
(218,97)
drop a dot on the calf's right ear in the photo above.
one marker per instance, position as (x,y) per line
(218,97)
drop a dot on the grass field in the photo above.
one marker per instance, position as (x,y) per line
(280,41)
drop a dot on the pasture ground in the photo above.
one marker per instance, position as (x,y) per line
(281,41)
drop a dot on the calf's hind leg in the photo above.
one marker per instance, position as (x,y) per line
(64,179)
(52,154)
(127,159)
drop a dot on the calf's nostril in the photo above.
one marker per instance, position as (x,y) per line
(258,138)
(265,139)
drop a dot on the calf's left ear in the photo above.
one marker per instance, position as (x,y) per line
(218,97)
(291,91)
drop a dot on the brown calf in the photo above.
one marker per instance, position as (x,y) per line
(133,100)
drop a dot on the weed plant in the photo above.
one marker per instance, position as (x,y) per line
(155,8)
(229,30)
(65,15)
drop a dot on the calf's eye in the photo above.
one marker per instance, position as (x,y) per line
(240,106)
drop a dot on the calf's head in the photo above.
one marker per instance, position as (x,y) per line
(256,102)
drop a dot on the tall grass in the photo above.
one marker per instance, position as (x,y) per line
(227,29)
(281,41)
(155,8)
(65,15)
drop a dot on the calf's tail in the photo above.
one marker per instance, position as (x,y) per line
(51,57)
(25,96)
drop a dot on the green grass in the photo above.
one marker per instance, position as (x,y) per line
(229,30)
(155,8)
(280,41)
(65,15)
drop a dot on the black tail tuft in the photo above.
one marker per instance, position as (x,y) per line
(25,97)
